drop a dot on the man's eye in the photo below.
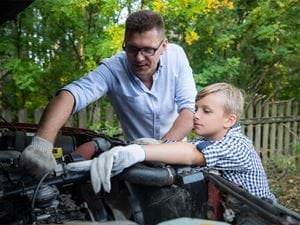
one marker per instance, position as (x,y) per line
(131,49)
(148,50)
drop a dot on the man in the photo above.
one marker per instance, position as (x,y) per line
(150,85)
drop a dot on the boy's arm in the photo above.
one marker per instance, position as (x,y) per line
(113,162)
(174,153)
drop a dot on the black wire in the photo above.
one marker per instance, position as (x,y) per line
(7,175)
(8,122)
(35,194)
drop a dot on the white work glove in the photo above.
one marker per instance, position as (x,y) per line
(146,141)
(37,157)
(113,162)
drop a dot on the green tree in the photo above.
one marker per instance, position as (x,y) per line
(251,44)
(53,43)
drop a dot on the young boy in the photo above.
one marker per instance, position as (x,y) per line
(221,146)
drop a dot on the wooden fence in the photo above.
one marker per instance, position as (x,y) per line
(274,127)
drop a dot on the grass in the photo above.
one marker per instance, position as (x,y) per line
(284,179)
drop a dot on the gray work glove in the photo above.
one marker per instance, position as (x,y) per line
(113,162)
(37,157)
(146,141)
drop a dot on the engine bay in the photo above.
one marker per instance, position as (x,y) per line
(145,194)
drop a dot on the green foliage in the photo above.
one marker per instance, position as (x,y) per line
(103,120)
(53,43)
(297,148)
(283,176)
(281,164)
(251,44)
(228,70)
(106,128)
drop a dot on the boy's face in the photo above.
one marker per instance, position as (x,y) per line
(210,119)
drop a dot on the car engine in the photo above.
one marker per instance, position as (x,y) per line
(146,193)
(25,200)
(67,195)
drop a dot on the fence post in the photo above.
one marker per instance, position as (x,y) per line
(266,130)
(7,115)
(273,129)
(280,129)
(257,139)
(250,126)
(287,129)
(109,116)
(82,120)
(37,115)
(22,116)
(95,115)
(70,121)
(295,130)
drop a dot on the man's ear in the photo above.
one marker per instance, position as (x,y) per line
(230,121)
(164,46)
(165,42)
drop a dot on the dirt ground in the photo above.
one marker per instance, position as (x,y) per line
(284,180)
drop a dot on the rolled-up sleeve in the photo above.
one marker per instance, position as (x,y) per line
(185,83)
(85,91)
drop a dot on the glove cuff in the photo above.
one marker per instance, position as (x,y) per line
(102,144)
(41,143)
(138,152)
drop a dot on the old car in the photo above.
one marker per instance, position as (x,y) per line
(144,194)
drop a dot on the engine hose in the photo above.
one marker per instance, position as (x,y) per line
(9,156)
(61,180)
(151,176)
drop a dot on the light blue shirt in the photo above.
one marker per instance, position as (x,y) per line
(142,112)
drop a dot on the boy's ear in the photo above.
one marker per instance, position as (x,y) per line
(231,120)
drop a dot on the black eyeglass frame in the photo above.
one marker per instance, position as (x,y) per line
(134,50)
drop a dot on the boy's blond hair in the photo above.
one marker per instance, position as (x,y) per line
(233,97)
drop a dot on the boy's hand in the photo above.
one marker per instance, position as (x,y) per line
(113,162)
(37,157)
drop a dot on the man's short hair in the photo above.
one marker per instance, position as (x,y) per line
(233,97)
(142,21)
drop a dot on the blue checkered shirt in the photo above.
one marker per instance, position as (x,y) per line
(235,158)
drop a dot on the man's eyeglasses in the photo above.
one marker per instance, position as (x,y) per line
(146,51)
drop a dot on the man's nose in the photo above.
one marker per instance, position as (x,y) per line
(139,56)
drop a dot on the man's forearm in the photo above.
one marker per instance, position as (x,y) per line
(55,115)
(182,126)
